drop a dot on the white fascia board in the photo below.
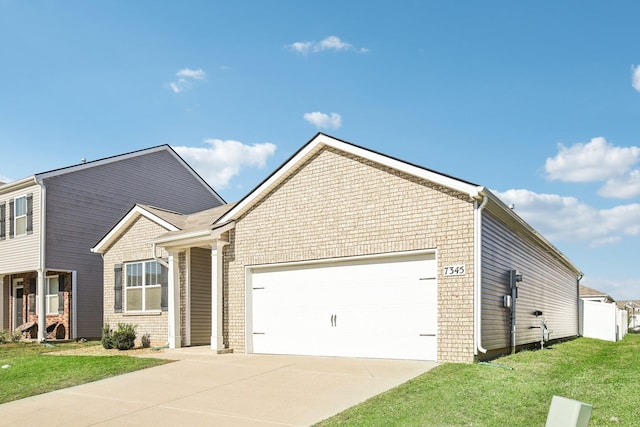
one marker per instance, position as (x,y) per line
(193,238)
(16,185)
(135,212)
(445,181)
(184,239)
(322,140)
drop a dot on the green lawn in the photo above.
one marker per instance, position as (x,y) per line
(32,372)
(517,392)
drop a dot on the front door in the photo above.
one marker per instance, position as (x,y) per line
(18,307)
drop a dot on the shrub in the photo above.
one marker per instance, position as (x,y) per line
(5,336)
(146,340)
(107,339)
(124,337)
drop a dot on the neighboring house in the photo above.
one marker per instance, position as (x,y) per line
(50,220)
(590,294)
(633,312)
(343,251)
(600,317)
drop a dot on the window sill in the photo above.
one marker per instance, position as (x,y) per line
(142,313)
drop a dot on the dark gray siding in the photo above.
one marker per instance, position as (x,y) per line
(83,205)
(200,291)
(548,286)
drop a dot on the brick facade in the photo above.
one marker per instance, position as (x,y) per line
(134,244)
(58,324)
(340,205)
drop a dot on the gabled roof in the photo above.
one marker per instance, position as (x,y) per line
(175,223)
(160,217)
(587,292)
(196,228)
(630,304)
(38,177)
(321,141)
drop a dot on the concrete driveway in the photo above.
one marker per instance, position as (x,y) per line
(202,388)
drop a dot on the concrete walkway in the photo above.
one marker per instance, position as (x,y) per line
(202,388)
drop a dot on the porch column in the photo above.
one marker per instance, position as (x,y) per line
(217,274)
(173,290)
(2,304)
(41,307)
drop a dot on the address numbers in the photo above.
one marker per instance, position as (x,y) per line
(454,270)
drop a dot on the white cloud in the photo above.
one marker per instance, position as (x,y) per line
(625,187)
(301,47)
(221,160)
(330,43)
(623,289)
(566,218)
(596,160)
(198,74)
(323,120)
(635,77)
(186,76)
(4,179)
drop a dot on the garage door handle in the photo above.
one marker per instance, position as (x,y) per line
(334,320)
(427,335)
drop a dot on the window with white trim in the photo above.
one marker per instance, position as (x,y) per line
(143,290)
(20,215)
(53,286)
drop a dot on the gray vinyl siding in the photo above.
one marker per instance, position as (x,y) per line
(548,286)
(200,292)
(21,253)
(83,205)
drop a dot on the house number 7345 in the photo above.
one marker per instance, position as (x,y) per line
(454,270)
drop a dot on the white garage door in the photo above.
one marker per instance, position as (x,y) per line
(381,307)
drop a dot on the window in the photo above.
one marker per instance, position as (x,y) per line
(20,215)
(52,292)
(143,290)
(53,287)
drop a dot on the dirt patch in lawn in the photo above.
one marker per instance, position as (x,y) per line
(98,350)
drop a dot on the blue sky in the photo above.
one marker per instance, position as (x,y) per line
(538,101)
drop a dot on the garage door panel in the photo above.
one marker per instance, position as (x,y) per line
(374,308)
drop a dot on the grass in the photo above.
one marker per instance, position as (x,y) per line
(32,372)
(516,392)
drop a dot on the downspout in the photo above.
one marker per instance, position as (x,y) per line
(156,257)
(578,305)
(42,311)
(477,274)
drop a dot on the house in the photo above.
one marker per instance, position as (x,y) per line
(343,251)
(590,294)
(50,283)
(633,312)
(600,316)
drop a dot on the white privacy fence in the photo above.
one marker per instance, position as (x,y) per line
(603,321)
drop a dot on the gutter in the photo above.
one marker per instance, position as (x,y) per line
(477,273)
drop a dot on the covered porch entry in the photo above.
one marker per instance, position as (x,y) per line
(195,288)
